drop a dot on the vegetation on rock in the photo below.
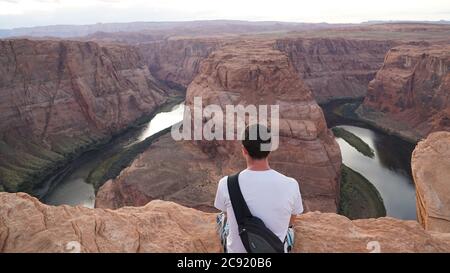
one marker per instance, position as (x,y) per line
(354,141)
(359,199)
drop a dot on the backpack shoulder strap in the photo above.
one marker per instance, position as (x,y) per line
(240,208)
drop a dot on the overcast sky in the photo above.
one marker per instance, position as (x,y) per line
(23,13)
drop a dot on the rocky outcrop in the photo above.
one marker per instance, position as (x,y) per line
(241,73)
(336,67)
(60,97)
(430,168)
(26,225)
(409,95)
(177,61)
(171,170)
(329,232)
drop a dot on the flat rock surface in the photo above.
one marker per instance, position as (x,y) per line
(26,225)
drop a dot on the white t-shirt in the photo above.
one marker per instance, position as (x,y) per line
(270,196)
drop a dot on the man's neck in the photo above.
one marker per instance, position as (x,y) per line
(258,165)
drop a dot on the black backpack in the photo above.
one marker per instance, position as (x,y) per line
(255,236)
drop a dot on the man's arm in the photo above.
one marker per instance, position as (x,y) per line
(219,201)
(298,204)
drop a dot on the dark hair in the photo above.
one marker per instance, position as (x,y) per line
(254,136)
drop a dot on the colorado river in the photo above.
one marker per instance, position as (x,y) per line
(392,181)
(72,188)
(390,168)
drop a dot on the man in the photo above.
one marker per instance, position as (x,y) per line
(270,195)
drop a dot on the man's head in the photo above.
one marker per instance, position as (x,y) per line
(256,141)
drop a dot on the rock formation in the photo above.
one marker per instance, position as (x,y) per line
(331,68)
(26,225)
(171,170)
(60,97)
(176,61)
(240,73)
(329,232)
(409,94)
(430,167)
(337,67)
(29,226)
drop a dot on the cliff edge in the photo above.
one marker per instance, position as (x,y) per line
(60,98)
(430,167)
(409,95)
(26,225)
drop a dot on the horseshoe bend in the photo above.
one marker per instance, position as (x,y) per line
(242,73)
(88,162)
(31,226)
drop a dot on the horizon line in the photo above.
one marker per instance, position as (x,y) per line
(375,21)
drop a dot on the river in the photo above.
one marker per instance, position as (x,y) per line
(389,170)
(72,189)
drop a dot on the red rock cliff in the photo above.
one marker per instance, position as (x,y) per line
(335,68)
(409,94)
(238,73)
(431,171)
(176,61)
(58,97)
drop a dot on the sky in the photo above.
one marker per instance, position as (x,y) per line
(27,13)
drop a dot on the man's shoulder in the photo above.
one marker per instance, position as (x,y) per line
(223,179)
(285,178)
(222,186)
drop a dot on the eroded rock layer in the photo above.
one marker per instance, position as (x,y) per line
(409,94)
(171,170)
(431,171)
(59,97)
(337,67)
(176,61)
(241,73)
(29,226)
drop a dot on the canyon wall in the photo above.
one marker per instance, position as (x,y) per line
(176,61)
(29,226)
(335,68)
(59,97)
(241,73)
(431,171)
(409,95)
(331,68)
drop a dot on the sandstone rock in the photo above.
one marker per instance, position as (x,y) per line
(176,61)
(409,93)
(29,226)
(169,170)
(331,68)
(26,225)
(336,67)
(431,171)
(60,97)
(245,73)
(328,232)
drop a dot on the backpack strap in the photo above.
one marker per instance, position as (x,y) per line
(240,208)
